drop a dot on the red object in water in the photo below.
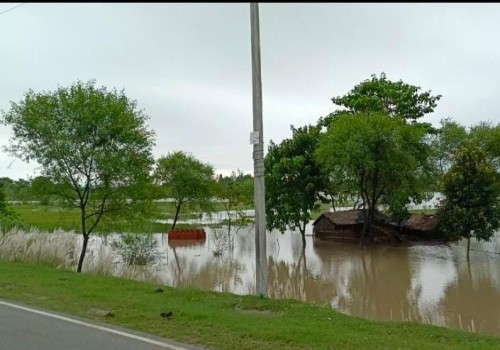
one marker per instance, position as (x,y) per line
(182,234)
(177,243)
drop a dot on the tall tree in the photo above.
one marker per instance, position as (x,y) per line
(471,207)
(185,179)
(92,142)
(381,95)
(383,158)
(294,181)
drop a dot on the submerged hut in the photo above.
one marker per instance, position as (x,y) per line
(339,225)
(422,226)
(344,225)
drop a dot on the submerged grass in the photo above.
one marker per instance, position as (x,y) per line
(220,320)
(51,217)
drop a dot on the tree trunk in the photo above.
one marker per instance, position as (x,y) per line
(177,263)
(82,254)
(363,232)
(177,210)
(371,217)
(303,234)
(366,226)
(365,202)
(468,247)
(333,203)
(85,236)
(228,222)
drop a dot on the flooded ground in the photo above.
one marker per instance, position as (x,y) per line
(425,283)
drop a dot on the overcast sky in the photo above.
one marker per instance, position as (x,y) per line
(189,65)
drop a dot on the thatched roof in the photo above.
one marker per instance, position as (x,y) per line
(350,217)
(421,222)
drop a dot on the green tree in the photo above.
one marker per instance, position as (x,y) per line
(446,142)
(8,216)
(487,136)
(42,189)
(383,158)
(294,181)
(380,95)
(471,207)
(19,190)
(234,192)
(92,142)
(8,187)
(185,179)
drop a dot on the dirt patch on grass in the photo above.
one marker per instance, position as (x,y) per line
(255,312)
(100,312)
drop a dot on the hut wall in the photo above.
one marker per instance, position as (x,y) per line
(324,229)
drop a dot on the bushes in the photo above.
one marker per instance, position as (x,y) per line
(136,249)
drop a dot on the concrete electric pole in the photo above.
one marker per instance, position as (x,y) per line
(257,139)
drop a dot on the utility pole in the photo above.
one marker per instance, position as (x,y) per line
(257,139)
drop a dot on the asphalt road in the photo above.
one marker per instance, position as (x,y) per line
(26,328)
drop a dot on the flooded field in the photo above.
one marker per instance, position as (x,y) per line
(425,283)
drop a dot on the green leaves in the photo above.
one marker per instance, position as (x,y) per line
(235,190)
(184,178)
(82,132)
(92,143)
(8,216)
(471,207)
(383,159)
(380,95)
(293,180)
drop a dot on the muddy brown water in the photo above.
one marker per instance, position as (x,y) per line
(431,284)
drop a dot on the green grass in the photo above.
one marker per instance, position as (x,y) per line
(50,218)
(220,320)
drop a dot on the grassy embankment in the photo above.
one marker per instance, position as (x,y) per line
(219,320)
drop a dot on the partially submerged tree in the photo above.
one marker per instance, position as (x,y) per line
(184,179)
(92,142)
(384,159)
(471,207)
(234,192)
(294,181)
(395,100)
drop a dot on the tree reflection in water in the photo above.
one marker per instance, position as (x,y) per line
(472,302)
(430,284)
(294,280)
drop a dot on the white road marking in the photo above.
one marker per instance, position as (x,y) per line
(90,325)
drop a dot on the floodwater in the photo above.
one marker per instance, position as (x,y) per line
(431,284)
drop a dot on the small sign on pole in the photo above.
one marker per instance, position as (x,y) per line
(254,137)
